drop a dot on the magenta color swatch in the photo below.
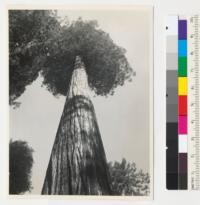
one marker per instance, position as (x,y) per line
(182,124)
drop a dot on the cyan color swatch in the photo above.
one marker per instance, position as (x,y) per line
(182,48)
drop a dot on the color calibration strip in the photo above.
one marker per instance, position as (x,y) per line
(176,61)
(183,102)
(172,101)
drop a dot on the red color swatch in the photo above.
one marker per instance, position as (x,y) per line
(182,105)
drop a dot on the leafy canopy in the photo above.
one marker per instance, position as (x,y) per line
(29,32)
(126,179)
(20,165)
(43,45)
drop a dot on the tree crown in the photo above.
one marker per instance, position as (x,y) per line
(51,49)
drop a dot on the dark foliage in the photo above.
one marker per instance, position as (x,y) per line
(29,34)
(127,180)
(20,165)
(38,42)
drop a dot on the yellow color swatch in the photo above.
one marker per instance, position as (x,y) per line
(182,86)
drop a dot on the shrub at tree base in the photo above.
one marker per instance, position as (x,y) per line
(127,180)
(21,161)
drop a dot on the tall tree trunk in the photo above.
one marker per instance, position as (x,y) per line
(78,164)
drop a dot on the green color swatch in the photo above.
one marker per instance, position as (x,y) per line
(182,66)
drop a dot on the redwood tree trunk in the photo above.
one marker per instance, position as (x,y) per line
(78,164)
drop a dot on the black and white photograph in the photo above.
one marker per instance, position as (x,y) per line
(81,101)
